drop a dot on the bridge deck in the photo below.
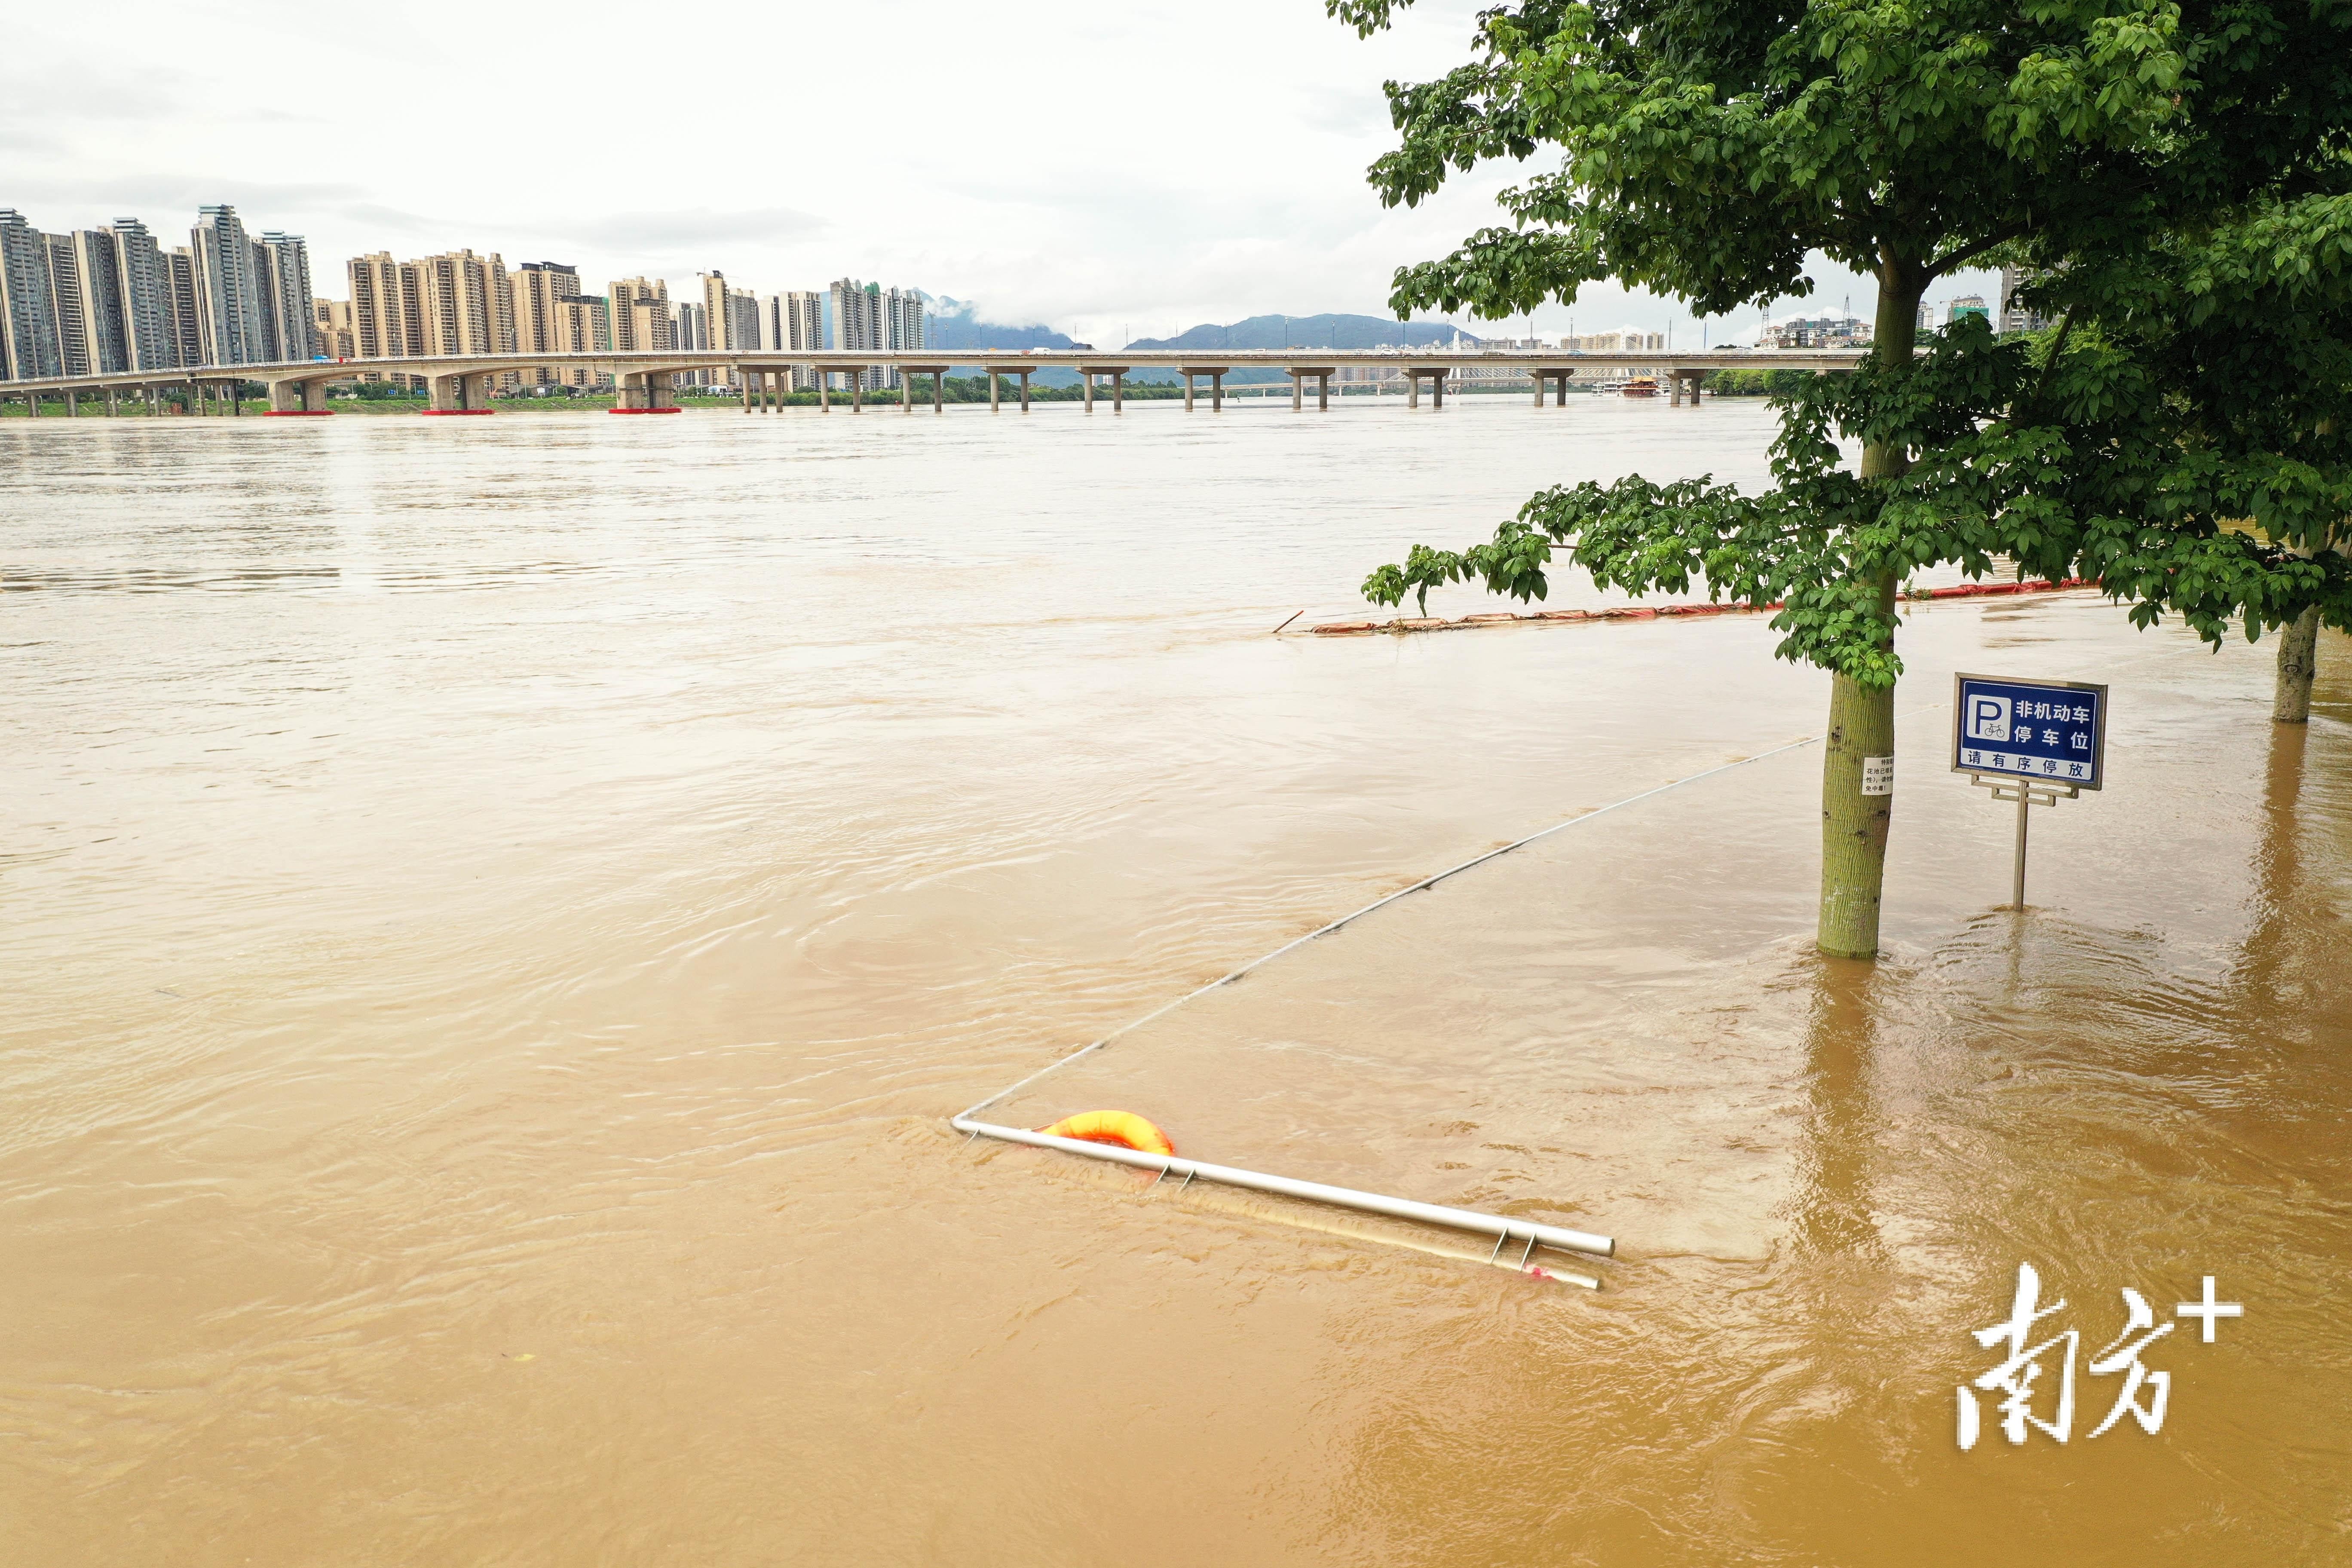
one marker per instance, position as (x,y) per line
(1311,361)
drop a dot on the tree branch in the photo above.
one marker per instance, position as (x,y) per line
(1967,252)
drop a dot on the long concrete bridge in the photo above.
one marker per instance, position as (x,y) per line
(643,381)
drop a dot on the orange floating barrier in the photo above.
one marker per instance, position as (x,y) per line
(1123,1128)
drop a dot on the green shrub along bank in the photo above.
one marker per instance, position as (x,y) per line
(1757,383)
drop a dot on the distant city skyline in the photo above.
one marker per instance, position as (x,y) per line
(111,297)
(1237,189)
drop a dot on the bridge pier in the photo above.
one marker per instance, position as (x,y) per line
(1118,373)
(463,392)
(296,397)
(856,375)
(644,391)
(1216,374)
(1545,376)
(1298,374)
(938,374)
(1436,374)
(1023,371)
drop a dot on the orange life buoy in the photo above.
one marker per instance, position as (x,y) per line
(1121,1127)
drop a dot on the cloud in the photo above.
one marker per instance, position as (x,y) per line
(667,233)
(1147,165)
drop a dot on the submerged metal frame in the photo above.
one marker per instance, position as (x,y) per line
(1502,1230)
(1495,1225)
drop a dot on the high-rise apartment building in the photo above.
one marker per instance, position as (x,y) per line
(1964,306)
(2014,315)
(180,288)
(143,276)
(794,320)
(332,329)
(104,300)
(387,315)
(387,311)
(642,322)
(465,305)
(28,316)
(690,328)
(283,262)
(733,314)
(1625,341)
(68,298)
(232,317)
(868,316)
(537,286)
(905,324)
(852,317)
(102,330)
(731,318)
(585,323)
(552,317)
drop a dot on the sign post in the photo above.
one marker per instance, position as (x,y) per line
(2033,741)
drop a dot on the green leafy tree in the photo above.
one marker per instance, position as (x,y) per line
(2206,385)
(1424,569)
(1707,150)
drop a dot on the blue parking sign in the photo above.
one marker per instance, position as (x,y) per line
(2052,731)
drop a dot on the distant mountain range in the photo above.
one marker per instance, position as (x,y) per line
(1326,331)
(954,327)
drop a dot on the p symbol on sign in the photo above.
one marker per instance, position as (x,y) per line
(1989,719)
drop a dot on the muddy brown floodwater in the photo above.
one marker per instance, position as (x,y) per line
(497,917)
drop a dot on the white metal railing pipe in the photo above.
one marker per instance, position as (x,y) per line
(1495,1226)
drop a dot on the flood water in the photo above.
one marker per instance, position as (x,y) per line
(499,911)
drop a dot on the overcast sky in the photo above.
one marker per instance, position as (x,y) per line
(1108,170)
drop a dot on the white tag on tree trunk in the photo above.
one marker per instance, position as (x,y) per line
(1878,775)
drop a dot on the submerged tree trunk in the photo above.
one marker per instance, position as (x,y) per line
(1853,825)
(2298,661)
(1861,719)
